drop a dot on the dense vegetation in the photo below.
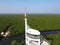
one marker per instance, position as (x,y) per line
(14,42)
(55,39)
(44,22)
(16,21)
(40,22)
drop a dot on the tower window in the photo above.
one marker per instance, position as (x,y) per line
(33,36)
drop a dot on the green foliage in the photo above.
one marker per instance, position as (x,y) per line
(44,22)
(56,39)
(40,22)
(14,42)
(16,20)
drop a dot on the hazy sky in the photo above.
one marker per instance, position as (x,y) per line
(33,6)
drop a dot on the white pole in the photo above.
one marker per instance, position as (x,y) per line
(25,18)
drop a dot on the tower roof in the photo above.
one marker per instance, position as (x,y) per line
(33,31)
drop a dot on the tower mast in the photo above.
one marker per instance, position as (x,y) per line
(31,35)
(25,18)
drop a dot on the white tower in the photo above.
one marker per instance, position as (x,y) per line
(32,36)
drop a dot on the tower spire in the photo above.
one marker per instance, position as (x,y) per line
(25,18)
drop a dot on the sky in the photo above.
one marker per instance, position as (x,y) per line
(33,6)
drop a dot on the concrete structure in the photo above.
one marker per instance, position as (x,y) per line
(32,36)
